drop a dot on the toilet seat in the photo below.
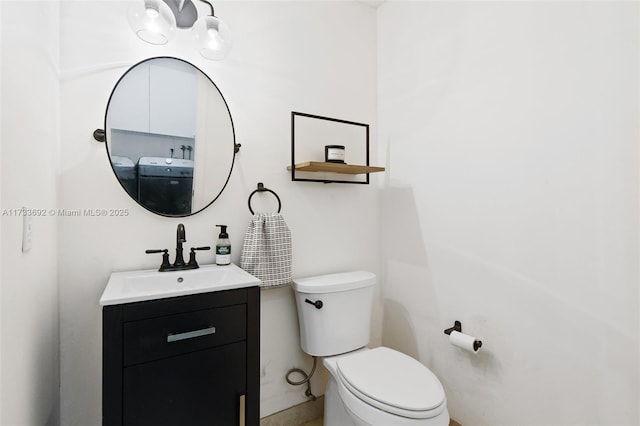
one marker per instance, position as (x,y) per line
(393,382)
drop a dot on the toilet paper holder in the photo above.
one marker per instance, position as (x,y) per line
(457,326)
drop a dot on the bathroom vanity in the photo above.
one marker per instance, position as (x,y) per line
(181,347)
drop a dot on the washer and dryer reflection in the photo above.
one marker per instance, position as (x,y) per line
(165,185)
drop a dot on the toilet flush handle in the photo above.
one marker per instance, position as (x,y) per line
(318,303)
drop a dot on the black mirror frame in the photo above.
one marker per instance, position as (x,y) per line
(103,136)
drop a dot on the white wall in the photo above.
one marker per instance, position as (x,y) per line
(510,130)
(316,57)
(30,115)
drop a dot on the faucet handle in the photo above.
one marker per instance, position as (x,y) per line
(165,258)
(192,256)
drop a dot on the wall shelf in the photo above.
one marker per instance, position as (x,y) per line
(348,169)
(313,134)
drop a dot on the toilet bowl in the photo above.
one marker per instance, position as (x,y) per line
(382,386)
(379,386)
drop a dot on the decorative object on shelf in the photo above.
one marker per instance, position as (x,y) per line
(308,134)
(334,153)
(155,21)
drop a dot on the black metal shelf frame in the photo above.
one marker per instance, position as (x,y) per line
(335,120)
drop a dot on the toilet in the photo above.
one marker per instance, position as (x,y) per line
(377,387)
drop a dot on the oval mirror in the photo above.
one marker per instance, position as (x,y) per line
(169,136)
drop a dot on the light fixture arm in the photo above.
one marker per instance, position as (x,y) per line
(210,5)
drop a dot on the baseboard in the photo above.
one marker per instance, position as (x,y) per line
(296,415)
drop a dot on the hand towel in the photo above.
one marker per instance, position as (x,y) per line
(266,251)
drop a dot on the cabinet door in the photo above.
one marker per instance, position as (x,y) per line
(129,106)
(172,99)
(198,388)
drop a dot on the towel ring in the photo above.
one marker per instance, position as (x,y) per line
(261,188)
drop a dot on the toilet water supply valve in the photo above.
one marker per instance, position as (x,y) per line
(306,379)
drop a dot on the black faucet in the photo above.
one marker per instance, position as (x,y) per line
(179,264)
(180,238)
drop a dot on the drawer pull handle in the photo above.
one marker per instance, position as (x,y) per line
(190,334)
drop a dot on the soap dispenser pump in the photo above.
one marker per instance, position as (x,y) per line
(223,247)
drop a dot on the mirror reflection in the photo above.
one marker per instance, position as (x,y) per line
(170,136)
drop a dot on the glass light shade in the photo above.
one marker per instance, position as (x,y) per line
(213,37)
(152,21)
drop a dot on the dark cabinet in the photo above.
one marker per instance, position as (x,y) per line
(183,361)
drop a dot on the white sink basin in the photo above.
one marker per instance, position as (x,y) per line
(136,286)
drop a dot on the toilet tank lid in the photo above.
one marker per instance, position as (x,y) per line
(334,282)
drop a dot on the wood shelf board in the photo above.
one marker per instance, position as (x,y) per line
(349,169)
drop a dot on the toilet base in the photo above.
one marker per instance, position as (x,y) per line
(335,413)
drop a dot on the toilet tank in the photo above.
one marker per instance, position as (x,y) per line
(334,311)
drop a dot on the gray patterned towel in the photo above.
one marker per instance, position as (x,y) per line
(266,251)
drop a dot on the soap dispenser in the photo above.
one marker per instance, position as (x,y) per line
(223,247)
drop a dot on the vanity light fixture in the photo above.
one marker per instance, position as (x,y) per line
(155,21)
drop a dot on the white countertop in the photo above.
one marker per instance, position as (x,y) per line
(137,286)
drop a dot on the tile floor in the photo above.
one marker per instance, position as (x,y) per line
(316,422)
